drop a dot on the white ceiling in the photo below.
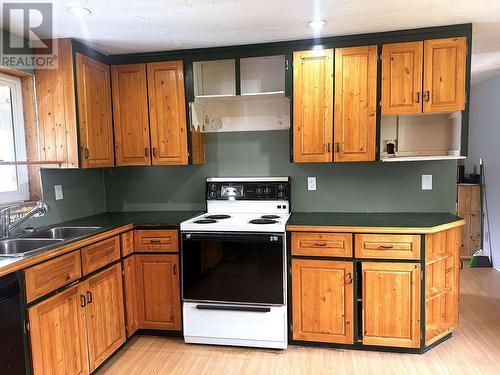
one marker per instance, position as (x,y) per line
(122,26)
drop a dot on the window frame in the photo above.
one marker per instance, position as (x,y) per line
(23,191)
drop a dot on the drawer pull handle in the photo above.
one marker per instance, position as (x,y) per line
(175,269)
(320,244)
(385,247)
(349,278)
(154,241)
(89,297)
(83,301)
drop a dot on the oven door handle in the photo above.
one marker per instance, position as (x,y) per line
(234,308)
(234,237)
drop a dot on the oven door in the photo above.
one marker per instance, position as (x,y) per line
(247,268)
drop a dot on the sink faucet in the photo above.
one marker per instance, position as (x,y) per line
(6,226)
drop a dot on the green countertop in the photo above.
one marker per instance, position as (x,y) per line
(372,219)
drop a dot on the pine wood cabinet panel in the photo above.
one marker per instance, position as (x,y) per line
(469,199)
(105,314)
(131,294)
(444,74)
(46,277)
(312,106)
(322,297)
(158,291)
(130,114)
(402,68)
(391,304)
(57,334)
(55,90)
(127,243)
(355,103)
(167,110)
(160,240)
(469,207)
(387,246)
(322,244)
(94,112)
(98,255)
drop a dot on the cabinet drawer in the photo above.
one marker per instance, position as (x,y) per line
(387,246)
(322,244)
(55,273)
(127,240)
(99,254)
(156,241)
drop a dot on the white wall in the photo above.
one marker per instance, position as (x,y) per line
(484,142)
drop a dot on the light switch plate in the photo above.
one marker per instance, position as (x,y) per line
(59,192)
(426,182)
(311,183)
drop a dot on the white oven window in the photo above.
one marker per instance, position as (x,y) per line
(14,184)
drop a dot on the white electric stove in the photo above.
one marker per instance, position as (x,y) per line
(234,264)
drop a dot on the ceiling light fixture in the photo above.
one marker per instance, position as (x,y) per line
(316,24)
(80,11)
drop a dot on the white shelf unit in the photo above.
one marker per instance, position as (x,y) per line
(421,137)
(260,105)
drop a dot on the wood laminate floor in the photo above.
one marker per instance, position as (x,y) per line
(473,349)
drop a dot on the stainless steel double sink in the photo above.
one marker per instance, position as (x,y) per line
(30,243)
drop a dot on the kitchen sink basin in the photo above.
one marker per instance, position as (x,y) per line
(19,247)
(65,233)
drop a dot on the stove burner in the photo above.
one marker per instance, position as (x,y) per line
(262,221)
(205,221)
(270,217)
(218,217)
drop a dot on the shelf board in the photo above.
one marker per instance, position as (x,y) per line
(30,162)
(434,292)
(393,159)
(242,97)
(437,258)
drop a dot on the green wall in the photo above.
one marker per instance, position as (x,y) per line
(355,187)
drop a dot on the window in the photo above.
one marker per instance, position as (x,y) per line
(13,178)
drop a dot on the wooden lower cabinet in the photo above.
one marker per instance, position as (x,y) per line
(76,330)
(58,335)
(322,295)
(105,314)
(391,304)
(158,291)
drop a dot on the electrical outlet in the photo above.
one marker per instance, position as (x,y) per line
(426,182)
(58,192)
(311,183)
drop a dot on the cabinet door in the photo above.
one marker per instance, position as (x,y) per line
(94,112)
(105,314)
(402,78)
(130,286)
(58,336)
(312,106)
(444,74)
(322,301)
(355,103)
(158,291)
(391,304)
(130,110)
(56,104)
(167,110)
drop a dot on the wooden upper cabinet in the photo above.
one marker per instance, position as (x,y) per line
(167,110)
(94,112)
(105,314)
(312,106)
(322,298)
(58,337)
(444,74)
(391,304)
(130,110)
(402,78)
(55,93)
(355,103)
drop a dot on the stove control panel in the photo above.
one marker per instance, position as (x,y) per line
(265,190)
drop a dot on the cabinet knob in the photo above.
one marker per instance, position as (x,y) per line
(427,96)
(86,153)
(418,98)
(83,301)
(146,151)
(154,152)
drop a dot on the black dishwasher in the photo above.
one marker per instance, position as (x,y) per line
(11,327)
